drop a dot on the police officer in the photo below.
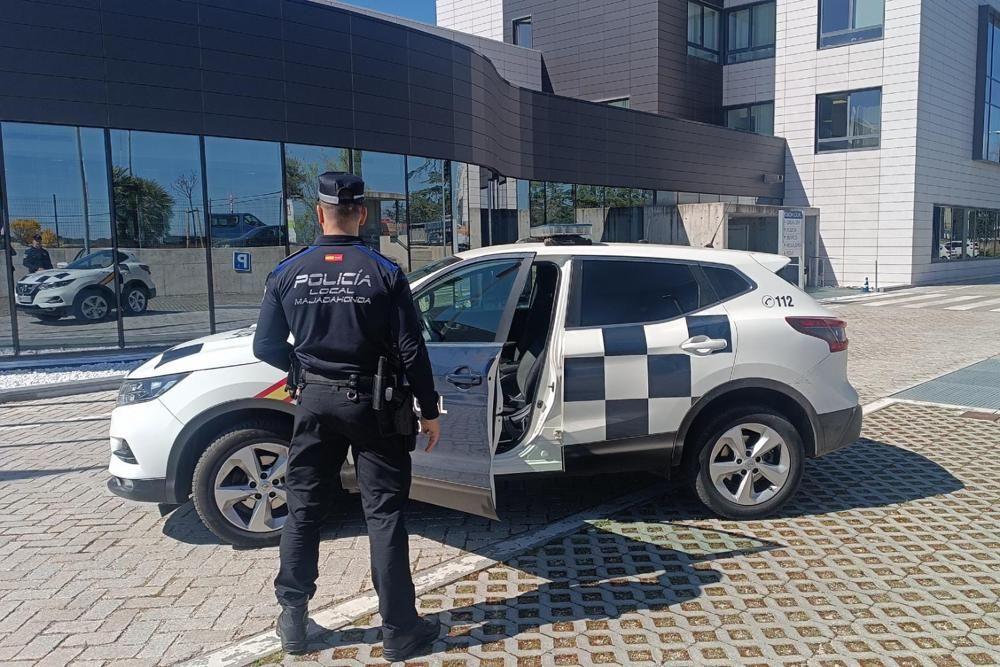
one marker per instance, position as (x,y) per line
(36,258)
(346,306)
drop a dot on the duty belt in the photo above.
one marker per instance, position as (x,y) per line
(354,381)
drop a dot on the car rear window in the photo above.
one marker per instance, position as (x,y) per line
(613,291)
(727,283)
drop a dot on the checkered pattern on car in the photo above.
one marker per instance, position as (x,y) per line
(632,380)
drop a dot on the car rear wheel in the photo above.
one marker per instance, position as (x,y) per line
(91,305)
(136,299)
(749,463)
(239,484)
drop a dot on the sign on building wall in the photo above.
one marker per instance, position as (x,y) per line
(242,262)
(791,225)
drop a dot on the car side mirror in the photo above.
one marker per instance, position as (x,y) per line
(61,265)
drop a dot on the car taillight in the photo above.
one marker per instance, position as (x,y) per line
(145,267)
(832,330)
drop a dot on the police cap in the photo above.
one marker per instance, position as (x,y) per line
(338,187)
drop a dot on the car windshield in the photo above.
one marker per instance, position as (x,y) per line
(423,271)
(95,260)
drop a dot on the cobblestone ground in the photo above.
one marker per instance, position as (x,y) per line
(88,577)
(888,556)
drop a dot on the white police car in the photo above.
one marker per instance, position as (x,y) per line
(551,357)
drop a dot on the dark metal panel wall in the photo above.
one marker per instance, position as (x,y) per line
(292,70)
(594,49)
(690,87)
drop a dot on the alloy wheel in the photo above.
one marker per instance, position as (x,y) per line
(749,464)
(94,307)
(250,487)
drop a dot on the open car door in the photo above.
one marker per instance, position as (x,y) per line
(466,316)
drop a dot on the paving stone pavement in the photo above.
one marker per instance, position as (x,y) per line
(86,577)
(91,578)
(893,347)
(888,556)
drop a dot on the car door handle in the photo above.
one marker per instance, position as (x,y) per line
(464,378)
(703,345)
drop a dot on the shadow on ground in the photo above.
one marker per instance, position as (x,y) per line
(868,474)
(619,567)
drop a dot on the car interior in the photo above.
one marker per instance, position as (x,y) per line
(521,362)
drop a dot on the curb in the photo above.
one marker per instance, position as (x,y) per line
(58,389)
(29,362)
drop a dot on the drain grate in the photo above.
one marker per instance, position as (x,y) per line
(976,386)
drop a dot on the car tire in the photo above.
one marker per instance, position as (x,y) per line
(218,481)
(136,299)
(718,471)
(91,305)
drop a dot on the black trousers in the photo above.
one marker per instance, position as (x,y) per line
(327,422)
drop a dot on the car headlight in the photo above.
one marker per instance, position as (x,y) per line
(146,389)
(58,283)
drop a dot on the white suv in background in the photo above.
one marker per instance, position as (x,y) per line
(82,288)
(558,357)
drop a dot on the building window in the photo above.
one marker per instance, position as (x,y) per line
(523,35)
(703,32)
(849,21)
(750,33)
(987,145)
(848,121)
(965,233)
(621,103)
(757,118)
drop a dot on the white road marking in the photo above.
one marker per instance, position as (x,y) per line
(973,306)
(893,302)
(954,299)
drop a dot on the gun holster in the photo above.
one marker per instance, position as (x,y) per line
(293,382)
(392,402)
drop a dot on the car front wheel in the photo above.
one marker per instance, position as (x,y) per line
(239,484)
(749,463)
(91,305)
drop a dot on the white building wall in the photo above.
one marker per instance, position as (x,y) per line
(476,17)
(866,197)
(945,171)
(746,83)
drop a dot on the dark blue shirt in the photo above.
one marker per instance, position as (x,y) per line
(345,305)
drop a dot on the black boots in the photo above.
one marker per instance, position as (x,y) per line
(405,646)
(292,628)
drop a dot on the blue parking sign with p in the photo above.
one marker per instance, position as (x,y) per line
(242,262)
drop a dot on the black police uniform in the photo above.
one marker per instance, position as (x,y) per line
(346,305)
(37,259)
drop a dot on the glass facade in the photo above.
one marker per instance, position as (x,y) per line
(988,89)
(962,233)
(244,183)
(158,238)
(160,221)
(57,189)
